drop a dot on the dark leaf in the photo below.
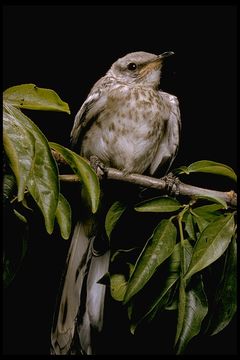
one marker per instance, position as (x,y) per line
(193,307)
(225,304)
(158,248)
(113,215)
(212,243)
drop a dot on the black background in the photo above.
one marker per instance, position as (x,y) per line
(67,48)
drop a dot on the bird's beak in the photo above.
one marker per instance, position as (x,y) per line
(156,63)
(165,54)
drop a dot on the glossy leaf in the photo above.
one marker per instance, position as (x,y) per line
(113,215)
(63,216)
(86,174)
(42,182)
(202,223)
(19,146)
(194,306)
(9,186)
(225,304)
(208,212)
(213,198)
(158,248)
(212,243)
(186,255)
(29,96)
(159,204)
(212,167)
(171,279)
(189,226)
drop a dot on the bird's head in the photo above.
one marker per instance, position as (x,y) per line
(139,68)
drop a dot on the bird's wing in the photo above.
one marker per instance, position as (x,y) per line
(89,110)
(168,145)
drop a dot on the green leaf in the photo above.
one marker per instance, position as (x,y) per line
(225,303)
(159,204)
(42,182)
(212,167)
(212,243)
(118,286)
(193,307)
(20,216)
(158,248)
(208,212)
(189,226)
(19,146)
(9,187)
(86,174)
(186,255)
(181,170)
(170,280)
(213,198)
(63,216)
(113,215)
(29,96)
(202,223)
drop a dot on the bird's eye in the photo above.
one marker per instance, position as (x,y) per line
(132,66)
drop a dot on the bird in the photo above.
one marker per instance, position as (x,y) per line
(130,124)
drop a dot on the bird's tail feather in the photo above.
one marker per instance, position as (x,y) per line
(79,312)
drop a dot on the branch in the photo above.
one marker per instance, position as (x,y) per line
(230,197)
(150,182)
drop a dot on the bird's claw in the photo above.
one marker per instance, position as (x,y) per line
(172,184)
(98,166)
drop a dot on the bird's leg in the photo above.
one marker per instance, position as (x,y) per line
(98,166)
(172,184)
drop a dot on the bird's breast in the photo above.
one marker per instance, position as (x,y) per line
(126,133)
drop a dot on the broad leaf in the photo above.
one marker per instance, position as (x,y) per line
(158,248)
(189,226)
(208,212)
(63,216)
(194,306)
(113,215)
(168,283)
(212,243)
(159,204)
(213,198)
(212,167)
(42,182)
(19,146)
(29,96)
(86,174)
(225,304)
(202,223)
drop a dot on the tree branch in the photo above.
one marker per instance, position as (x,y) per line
(230,197)
(150,182)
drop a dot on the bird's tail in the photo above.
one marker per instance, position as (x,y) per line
(79,312)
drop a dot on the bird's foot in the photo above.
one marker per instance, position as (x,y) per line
(172,184)
(98,166)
